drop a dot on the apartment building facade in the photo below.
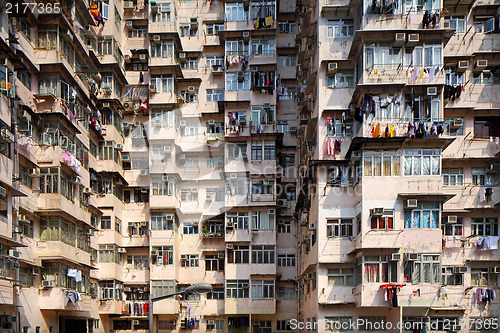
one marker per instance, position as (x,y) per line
(399,153)
(145,146)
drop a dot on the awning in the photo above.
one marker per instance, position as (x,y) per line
(27,161)
(449,308)
(10,242)
(63,258)
(15,192)
(443,197)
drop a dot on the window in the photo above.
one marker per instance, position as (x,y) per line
(26,277)
(382,56)
(256,150)
(341,276)
(237,289)
(215,61)
(454,78)
(486,127)
(340,28)
(188,30)
(456,23)
(215,95)
(214,28)
(282,127)
(163,13)
(110,289)
(107,151)
(376,269)
(453,176)
(238,220)
(161,153)
(236,12)
(263,254)
(236,47)
(162,83)
(164,49)
(162,287)
(340,324)
(453,229)
(47,39)
(163,118)
(287,293)
(237,150)
(239,254)
(118,224)
(262,220)
(162,187)
(217,293)
(482,277)
(269,150)
(265,187)
(427,55)
(425,269)
(190,162)
(190,260)
(214,262)
(138,32)
(484,226)
(383,222)
(190,63)
(263,46)
(262,115)
(190,228)
(288,94)
(189,96)
(189,195)
(287,27)
(139,262)
(339,228)
(55,228)
(237,81)
(381,163)
(262,288)
(284,227)
(484,24)
(109,253)
(426,215)
(168,325)
(343,79)
(162,255)
(283,325)
(287,60)
(162,221)
(372,323)
(422,162)
(191,129)
(286,260)
(450,277)
(263,9)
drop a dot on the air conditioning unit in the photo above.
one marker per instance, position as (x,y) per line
(182,157)
(157,123)
(413,38)
(281,221)
(482,63)
(128,5)
(458,122)
(220,255)
(156,38)
(463,64)
(125,157)
(153,6)
(229,246)
(182,55)
(184,257)
(496,269)
(400,38)
(152,88)
(272,212)
(164,178)
(432,91)
(282,203)
(452,219)
(170,217)
(412,256)
(14,254)
(3,192)
(293,129)
(122,250)
(191,90)
(461,269)
(494,168)
(143,172)
(129,24)
(311,226)
(395,257)
(182,123)
(256,323)
(245,286)
(166,149)
(142,57)
(48,284)
(241,76)
(229,225)
(119,147)
(332,67)
(211,322)
(106,105)
(246,34)
(131,224)
(376,212)
(103,130)
(35,271)
(411,203)
(90,232)
(217,69)
(306,237)
(153,253)
(136,322)
(34,172)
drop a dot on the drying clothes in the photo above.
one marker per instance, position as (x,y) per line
(269,21)
(487,243)
(432,72)
(451,242)
(71,272)
(376,132)
(421,73)
(78,276)
(96,14)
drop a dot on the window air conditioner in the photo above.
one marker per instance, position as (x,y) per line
(377,212)
(395,257)
(452,219)
(311,226)
(432,91)
(411,203)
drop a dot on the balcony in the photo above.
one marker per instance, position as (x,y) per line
(238,25)
(56,299)
(267,198)
(166,306)
(237,95)
(6,168)
(238,235)
(163,98)
(333,6)
(331,295)
(163,28)
(110,307)
(336,99)
(262,128)
(214,137)
(386,22)
(55,202)
(61,250)
(163,201)
(394,74)
(247,305)
(163,61)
